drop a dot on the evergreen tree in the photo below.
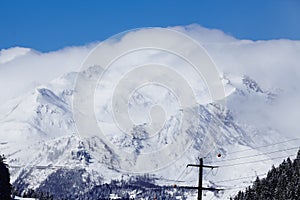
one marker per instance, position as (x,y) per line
(5,186)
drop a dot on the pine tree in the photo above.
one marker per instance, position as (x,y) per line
(5,186)
(257,187)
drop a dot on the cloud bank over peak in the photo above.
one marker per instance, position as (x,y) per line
(273,64)
(268,61)
(21,69)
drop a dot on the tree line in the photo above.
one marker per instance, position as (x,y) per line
(282,182)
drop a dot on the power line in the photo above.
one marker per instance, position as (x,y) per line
(268,145)
(242,163)
(201,166)
(234,188)
(241,178)
(208,173)
(252,156)
(40,167)
(180,175)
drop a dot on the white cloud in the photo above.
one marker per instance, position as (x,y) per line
(21,68)
(273,64)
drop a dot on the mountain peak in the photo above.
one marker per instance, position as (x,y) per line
(251,84)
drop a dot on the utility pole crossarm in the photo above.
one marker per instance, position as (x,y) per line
(193,165)
(208,166)
(188,187)
(205,166)
(212,189)
(203,188)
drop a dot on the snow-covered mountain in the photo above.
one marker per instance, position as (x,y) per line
(39,137)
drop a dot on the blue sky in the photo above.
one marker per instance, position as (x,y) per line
(51,25)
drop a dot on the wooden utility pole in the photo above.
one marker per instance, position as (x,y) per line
(200,188)
(200,179)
